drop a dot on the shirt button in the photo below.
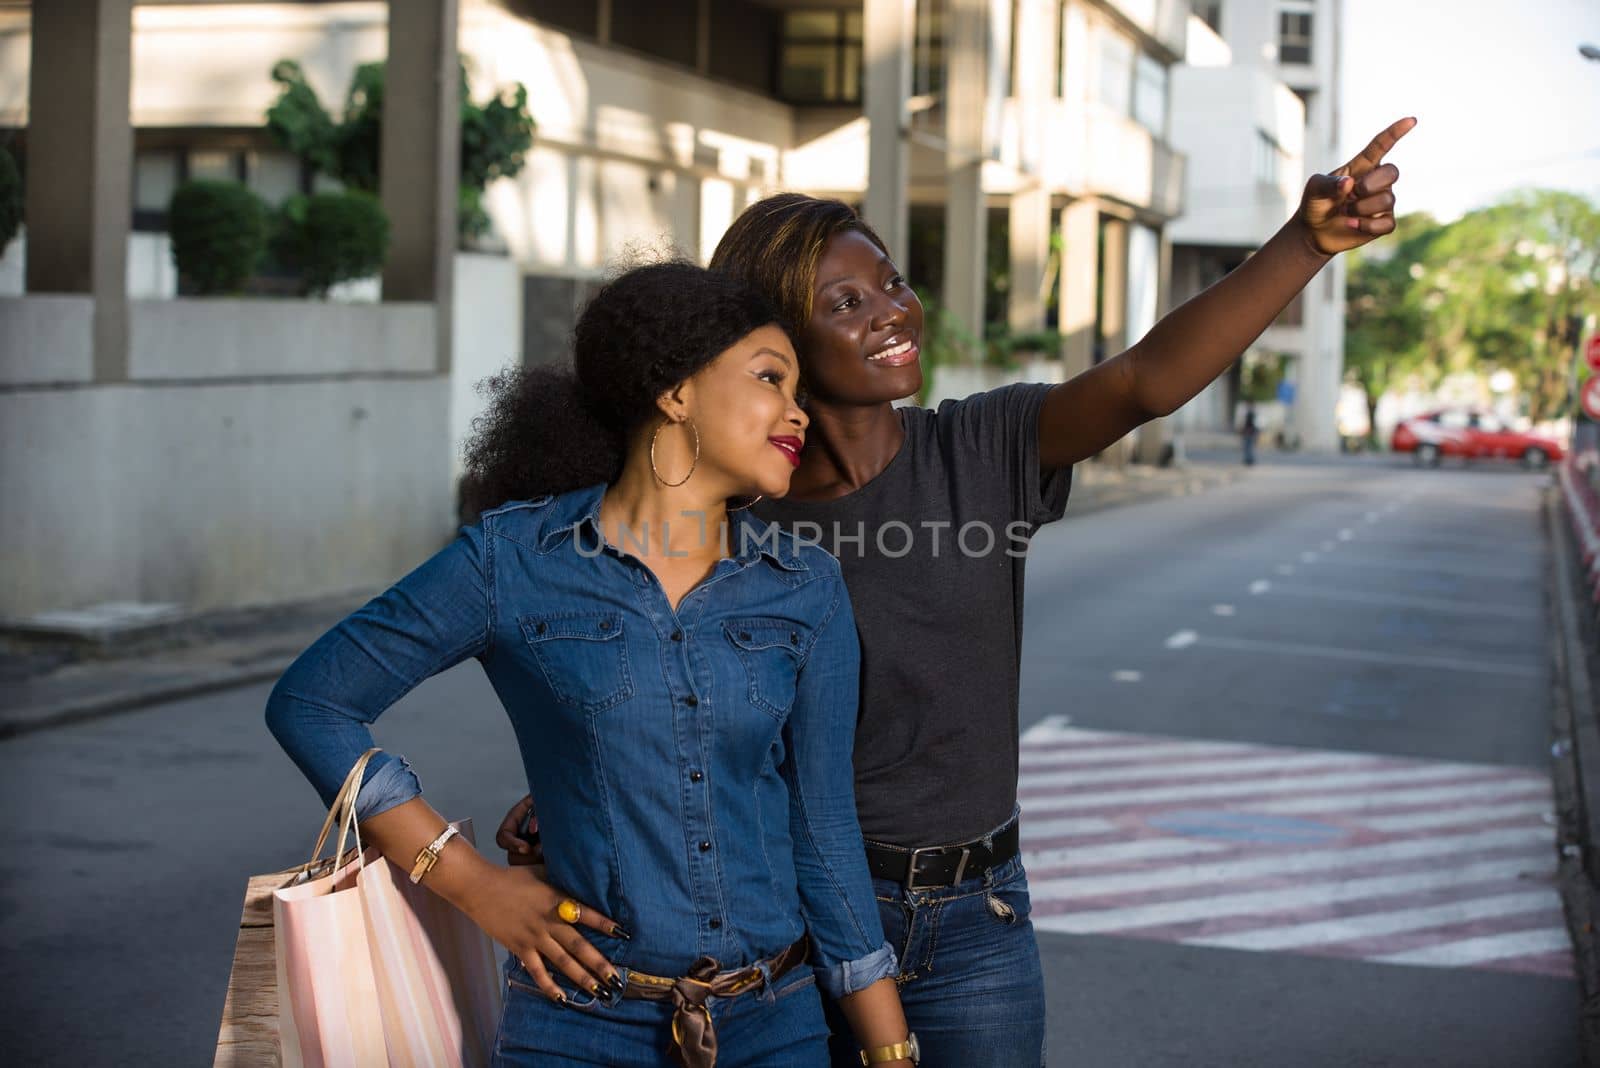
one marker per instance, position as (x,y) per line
(744,635)
(692,701)
(695,776)
(677,635)
(705,847)
(794,638)
(715,923)
(605,624)
(539,628)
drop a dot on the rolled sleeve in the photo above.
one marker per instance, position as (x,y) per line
(323,706)
(836,898)
(847,977)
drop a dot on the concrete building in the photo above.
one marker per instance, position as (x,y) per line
(1244,133)
(1029,133)
(1234,114)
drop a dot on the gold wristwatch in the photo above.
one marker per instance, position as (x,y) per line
(898,1052)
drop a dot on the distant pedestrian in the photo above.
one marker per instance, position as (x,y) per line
(1249,431)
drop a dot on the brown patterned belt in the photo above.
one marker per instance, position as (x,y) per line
(694,1038)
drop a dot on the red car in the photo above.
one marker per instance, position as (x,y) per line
(1471,436)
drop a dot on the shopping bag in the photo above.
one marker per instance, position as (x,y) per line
(367,968)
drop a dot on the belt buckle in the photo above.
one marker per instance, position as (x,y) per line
(911,867)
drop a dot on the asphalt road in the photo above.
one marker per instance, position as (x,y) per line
(1337,761)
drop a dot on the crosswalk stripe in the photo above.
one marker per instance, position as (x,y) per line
(1271,764)
(1085,826)
(1484,948)
(1474,814)
(1298,862)
(1096,921)
(1119,852)
(1479,791)
(1371,925)
(1123,754)
(1211,791)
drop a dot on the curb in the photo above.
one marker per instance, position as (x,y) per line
(1575,753)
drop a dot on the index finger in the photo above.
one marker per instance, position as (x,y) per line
(1371,156)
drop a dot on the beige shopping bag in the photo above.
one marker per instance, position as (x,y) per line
(366,969)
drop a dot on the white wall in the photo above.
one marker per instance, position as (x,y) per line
(486,335)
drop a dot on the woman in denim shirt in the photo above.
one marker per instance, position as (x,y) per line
(682,681)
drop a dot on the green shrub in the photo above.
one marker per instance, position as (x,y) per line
(219,234)
(331,238)
(10,198)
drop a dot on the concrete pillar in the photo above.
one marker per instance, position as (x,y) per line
(967,28)
(888,31)
(1155,435)
(1080,274)
(420,164)
(1030,215)
(1114,290)
(80,165)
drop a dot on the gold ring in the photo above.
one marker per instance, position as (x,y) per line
(569,910)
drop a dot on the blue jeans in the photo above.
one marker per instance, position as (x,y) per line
(780,1026)
(970,978)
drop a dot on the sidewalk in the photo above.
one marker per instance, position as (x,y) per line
(48,684)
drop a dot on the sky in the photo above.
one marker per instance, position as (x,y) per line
(1502,97)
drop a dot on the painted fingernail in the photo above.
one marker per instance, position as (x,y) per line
(618,932)
(594,988)
(614,981)
(561,999)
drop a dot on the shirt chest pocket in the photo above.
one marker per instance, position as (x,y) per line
(771,651)
(583,657)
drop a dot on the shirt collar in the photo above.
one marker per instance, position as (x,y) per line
(753,538)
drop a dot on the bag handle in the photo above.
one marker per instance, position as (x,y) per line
(343,812)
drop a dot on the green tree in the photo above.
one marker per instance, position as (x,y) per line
(219,235)
(495,136)
(1385,322)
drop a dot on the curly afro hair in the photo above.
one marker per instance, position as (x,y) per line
(555,429)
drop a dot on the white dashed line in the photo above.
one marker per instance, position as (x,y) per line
(1308,558)
(1260,586)
(1222,609)
(1285,569)
(1182,639)
(1346,534)
(1127,676)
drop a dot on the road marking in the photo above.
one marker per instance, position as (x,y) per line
(1368,656)
(1285,569)
(1372,517)
(1182,640)
(1486,948)
(1373,924)
(1260,586)
(1472,816)
(1376,857)
(1275,764)
(1314,861)
(1452,605)
(1346,534)
(1327,546)
(1308,558)
(1222,609)
(1127,676)
(1429,796)
(1213,791)
(1097,921)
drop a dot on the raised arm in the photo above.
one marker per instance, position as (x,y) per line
(1196,342)
(853,962)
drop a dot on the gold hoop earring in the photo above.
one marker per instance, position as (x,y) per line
(748,504)
(692,463)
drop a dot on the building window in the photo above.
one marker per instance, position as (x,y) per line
(1268,158)
(1114,84)
(1211,14)
(272,174)
(1150,95)
(1294,33)
(821,57)
(927,67)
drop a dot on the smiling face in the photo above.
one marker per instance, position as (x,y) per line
(743,404)
(863,339)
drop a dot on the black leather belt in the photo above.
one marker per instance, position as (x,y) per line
(939,866)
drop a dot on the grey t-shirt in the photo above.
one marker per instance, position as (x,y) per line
(933,551)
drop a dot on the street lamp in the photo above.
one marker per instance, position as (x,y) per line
(1589,51)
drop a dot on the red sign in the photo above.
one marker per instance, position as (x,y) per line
(1591,398)
(1591,355)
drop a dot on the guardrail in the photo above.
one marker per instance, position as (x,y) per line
(1579,479)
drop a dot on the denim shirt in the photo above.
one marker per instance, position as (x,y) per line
(691,768)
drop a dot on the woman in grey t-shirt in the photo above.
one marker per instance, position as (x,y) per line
(930,513)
